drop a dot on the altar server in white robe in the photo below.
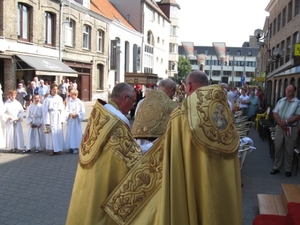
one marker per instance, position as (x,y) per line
(34,119)
(13,116)
(75,112)
(53,111)
(2,140)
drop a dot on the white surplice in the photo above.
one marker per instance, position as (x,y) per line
(53,108)
(35,136)
(2,140)
(74,129)
(13,128)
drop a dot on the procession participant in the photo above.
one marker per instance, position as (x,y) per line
(154,112)
(75,112)
(2,139)
(53,108)
(191,175)
(13,115)
(34,119)
(107,152)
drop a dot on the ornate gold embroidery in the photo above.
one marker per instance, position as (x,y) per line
(153,115)
(122,143)
(215,126)
(142,181)
(105,129)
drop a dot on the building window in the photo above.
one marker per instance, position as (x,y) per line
(100,40)
(86,37)
(288,49)
(100,77)
(274,27)
(278,22)
(295,38)
(148,59)
(283,17)
(297,7)
(158,19)
(172,66)
(227,52)
(70,33)
(49,21)
(113,54)
(290,11)
(136,58)
(173,30)
(282,46)
(271,30)
(249,53)
(238,53)
(24,16)
(158,40)
(173,48)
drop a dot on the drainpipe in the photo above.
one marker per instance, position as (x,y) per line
(60,36)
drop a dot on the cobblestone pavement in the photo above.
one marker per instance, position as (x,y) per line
(35,189)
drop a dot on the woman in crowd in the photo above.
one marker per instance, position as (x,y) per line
(35,135)
(53,108)
(254,105)
(75,112)
(13,116)
(21,93)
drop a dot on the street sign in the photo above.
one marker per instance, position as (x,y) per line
(242,80)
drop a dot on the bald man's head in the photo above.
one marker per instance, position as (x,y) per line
(195,80)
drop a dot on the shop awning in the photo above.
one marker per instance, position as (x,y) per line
(44,66)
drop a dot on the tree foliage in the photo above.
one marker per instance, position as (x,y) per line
(184,68)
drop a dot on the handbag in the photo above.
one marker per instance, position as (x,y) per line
(27,97)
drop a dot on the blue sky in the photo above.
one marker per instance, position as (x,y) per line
(231,21)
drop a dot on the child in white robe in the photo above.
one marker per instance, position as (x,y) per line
(35,134)
(13,116)
(53,111)
(74,114)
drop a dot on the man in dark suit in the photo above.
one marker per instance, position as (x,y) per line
(32,90)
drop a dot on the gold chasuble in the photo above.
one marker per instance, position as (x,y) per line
(153,115)
(107,152)
(191,175)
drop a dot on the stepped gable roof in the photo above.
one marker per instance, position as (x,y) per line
(108,10)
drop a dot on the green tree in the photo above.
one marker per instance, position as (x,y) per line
(184,68)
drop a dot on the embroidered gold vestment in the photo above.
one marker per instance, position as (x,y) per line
(107,152)
(191,175)
(153,115)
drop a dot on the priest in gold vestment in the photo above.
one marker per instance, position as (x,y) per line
(191,175)
(107,152)
(152,117)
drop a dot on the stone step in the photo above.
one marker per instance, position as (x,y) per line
(290,193)
(271,204)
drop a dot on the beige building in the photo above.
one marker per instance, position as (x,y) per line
(280,68)
(58,36)
(172,10)
(94,42)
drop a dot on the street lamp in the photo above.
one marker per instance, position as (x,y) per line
(260,35)
(272,56)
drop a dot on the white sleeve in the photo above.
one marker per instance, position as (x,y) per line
(146,147)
